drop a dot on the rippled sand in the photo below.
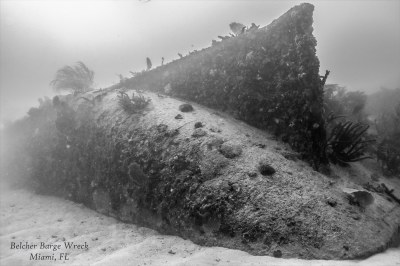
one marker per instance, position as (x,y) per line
(27,217)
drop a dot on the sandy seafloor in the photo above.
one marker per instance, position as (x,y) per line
(27,217)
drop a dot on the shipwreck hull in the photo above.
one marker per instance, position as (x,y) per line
(207,176)
(223,184)
(267,77)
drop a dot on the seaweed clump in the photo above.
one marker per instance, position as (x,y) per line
(134,104)
(347,142)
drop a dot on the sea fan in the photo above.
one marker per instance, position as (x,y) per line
(77,79)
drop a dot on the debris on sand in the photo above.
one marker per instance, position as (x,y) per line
(361,198)
(185,107)
(198,125)
(265,168)
(277,253)
(198,132)
(230,150)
